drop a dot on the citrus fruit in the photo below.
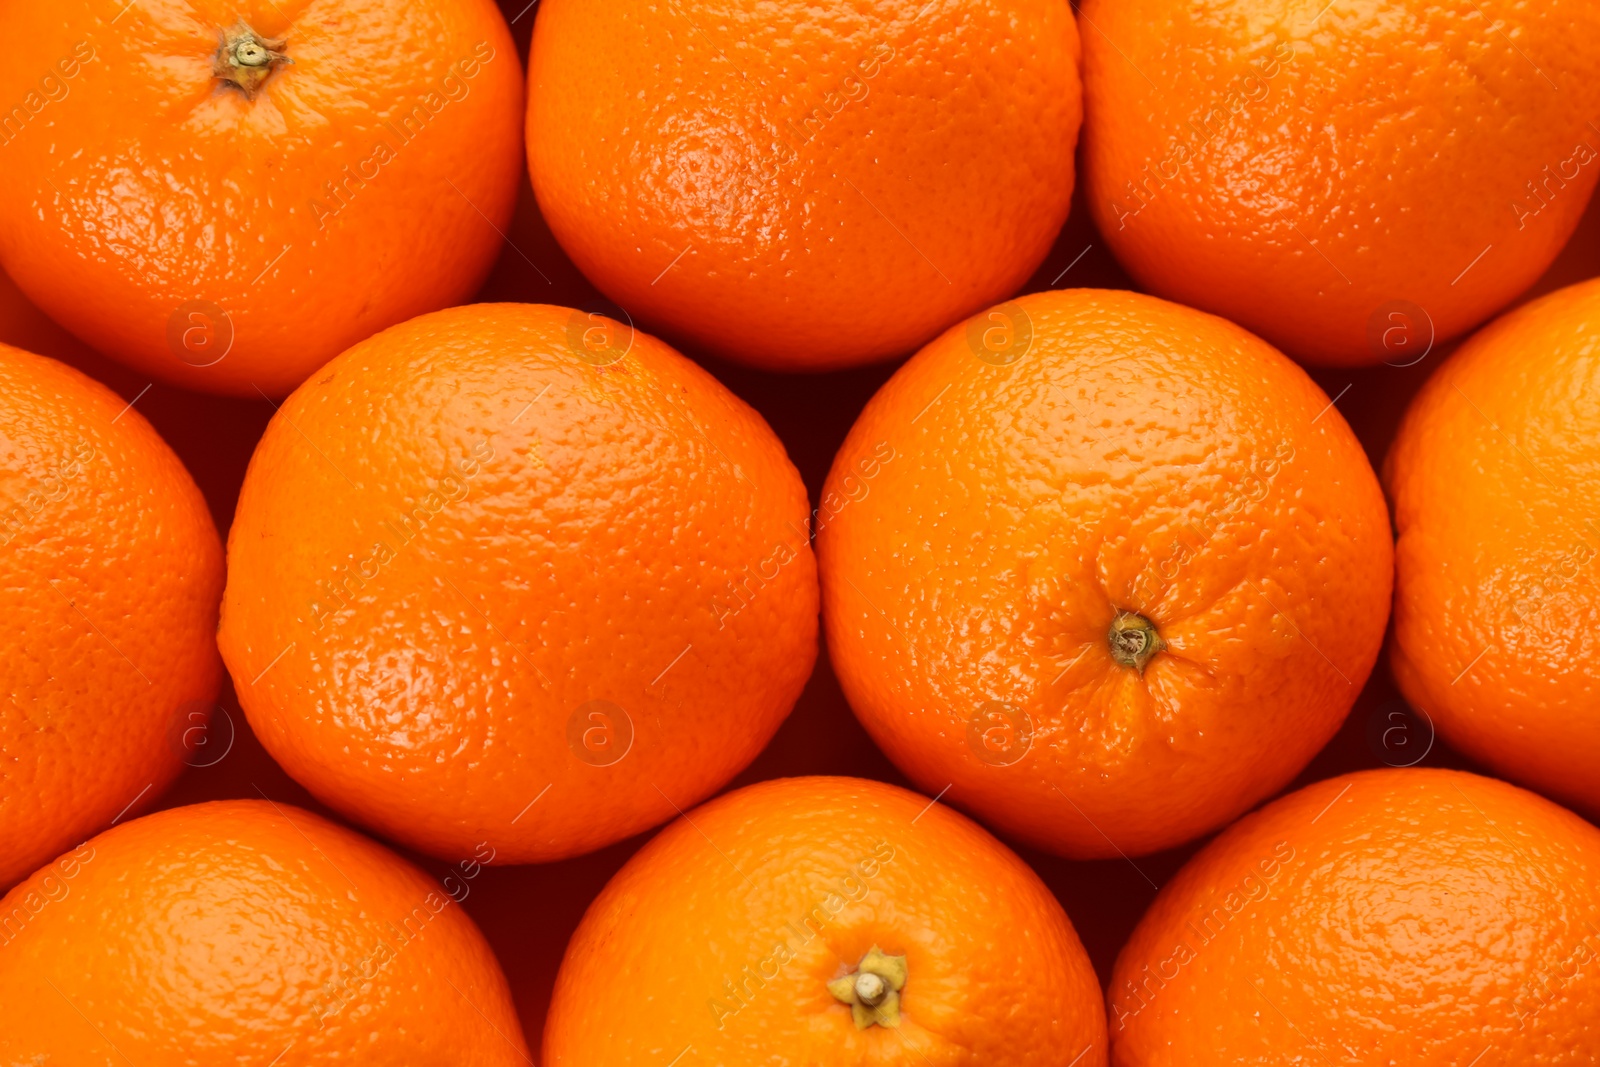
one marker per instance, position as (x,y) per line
(110,574)
(1424,917)
(516,574)
(228,195)
(1497,618)
(245,931)
(1352,181)
(826,920)
(800,187)
(1109,569)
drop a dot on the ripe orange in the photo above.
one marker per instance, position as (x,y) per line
(1497,617)
(802,188)
(245,931)
(825,920)
(1108,569)
(1422,917)
(110,574)
(516,574)
(231,227)
(1338,176)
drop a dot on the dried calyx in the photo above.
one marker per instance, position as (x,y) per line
(245,59)
(1133,640)
(873,989)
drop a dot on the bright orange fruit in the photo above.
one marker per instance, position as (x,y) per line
(825,921)
(1350,180)
(1109,569)
(801,187)
(1422,917)
(226,195)
(110,575)
(1497,617)
(515,574)
(245,931)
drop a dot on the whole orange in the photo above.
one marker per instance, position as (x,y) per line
(226,195)
(1422,917)
(110,574)
(515,574)
(1108,569)
(1350,180)
(1496,610)
(803,187)
(245,931)
(826,920)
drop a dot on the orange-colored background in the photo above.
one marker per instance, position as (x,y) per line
(529,912)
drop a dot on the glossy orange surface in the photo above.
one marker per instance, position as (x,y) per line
(1493,482)
(246,932)
(1322,172)
(1061,461)
(803,187)
(110,572)
(1424,917)
(513,576)
(728,927)
(233,244)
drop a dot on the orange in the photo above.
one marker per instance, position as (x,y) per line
(1350,180)
(803,187)
(110,574)
(231,227)
(517,574)
(1108,569)
(1422,917)
(825,921)
(245,931)
(1497,616)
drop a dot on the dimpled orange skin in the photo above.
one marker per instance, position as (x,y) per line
(742,912)
(243,931)
(522,532)
(984,524)
(110,576)
(799,186)
(1414,916)
(312,216)
(1497,620)
(1301,167)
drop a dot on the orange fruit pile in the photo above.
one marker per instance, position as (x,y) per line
(518,581)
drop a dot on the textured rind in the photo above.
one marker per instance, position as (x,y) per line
(997,975)
(586,556)
(1354,154)
(672,158)
(1495,478)
(1420,917)
(246,932)
(1139,456)
(110,577)
(148,185)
